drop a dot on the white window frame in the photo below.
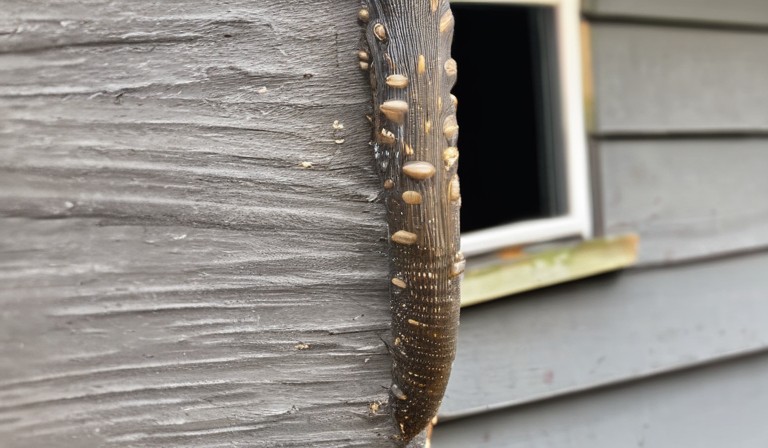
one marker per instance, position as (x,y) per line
(577,222)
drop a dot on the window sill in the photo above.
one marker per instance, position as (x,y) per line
(522,268)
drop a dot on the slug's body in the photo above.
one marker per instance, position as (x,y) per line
(406,52)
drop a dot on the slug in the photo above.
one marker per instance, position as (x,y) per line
(405,51)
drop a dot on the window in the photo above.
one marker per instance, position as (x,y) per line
(520,109)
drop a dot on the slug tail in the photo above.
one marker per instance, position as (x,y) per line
(405,51)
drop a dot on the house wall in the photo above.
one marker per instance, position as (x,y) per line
(172,275)
(672,352)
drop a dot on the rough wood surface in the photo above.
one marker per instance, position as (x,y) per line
(190,248)
(651,79)
(516,270)
(688,198)
(732,12)
(713,407)
(605,330)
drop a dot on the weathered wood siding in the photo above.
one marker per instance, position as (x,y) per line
(652,79)
(680,134)
(191,253)
(690,198)
(172,275)
(671,353)
(739,13)
(716,406)
(608,329)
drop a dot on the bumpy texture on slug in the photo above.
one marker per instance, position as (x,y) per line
(406,52)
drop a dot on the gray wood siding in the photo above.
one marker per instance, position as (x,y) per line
(733,12)
(191,254)
(171,274)
(717,406)
(652,79)
(673,352)
(686,198)
(607,329)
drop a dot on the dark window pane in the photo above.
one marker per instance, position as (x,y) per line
(510,142)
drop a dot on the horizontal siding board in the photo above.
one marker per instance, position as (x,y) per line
(171,275)
(715,407)
(686,198)
(732,12)
(651,79)
(605,330)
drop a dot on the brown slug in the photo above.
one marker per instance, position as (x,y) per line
(405,51)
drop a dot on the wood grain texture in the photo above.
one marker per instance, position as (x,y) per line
(651,79)
(606,330)
(190,249)
(714,407)
(506,273)
(688,198)
(733,12)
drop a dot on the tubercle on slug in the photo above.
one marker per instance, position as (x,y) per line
(405,51)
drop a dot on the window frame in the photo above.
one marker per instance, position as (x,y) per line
(577,221)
